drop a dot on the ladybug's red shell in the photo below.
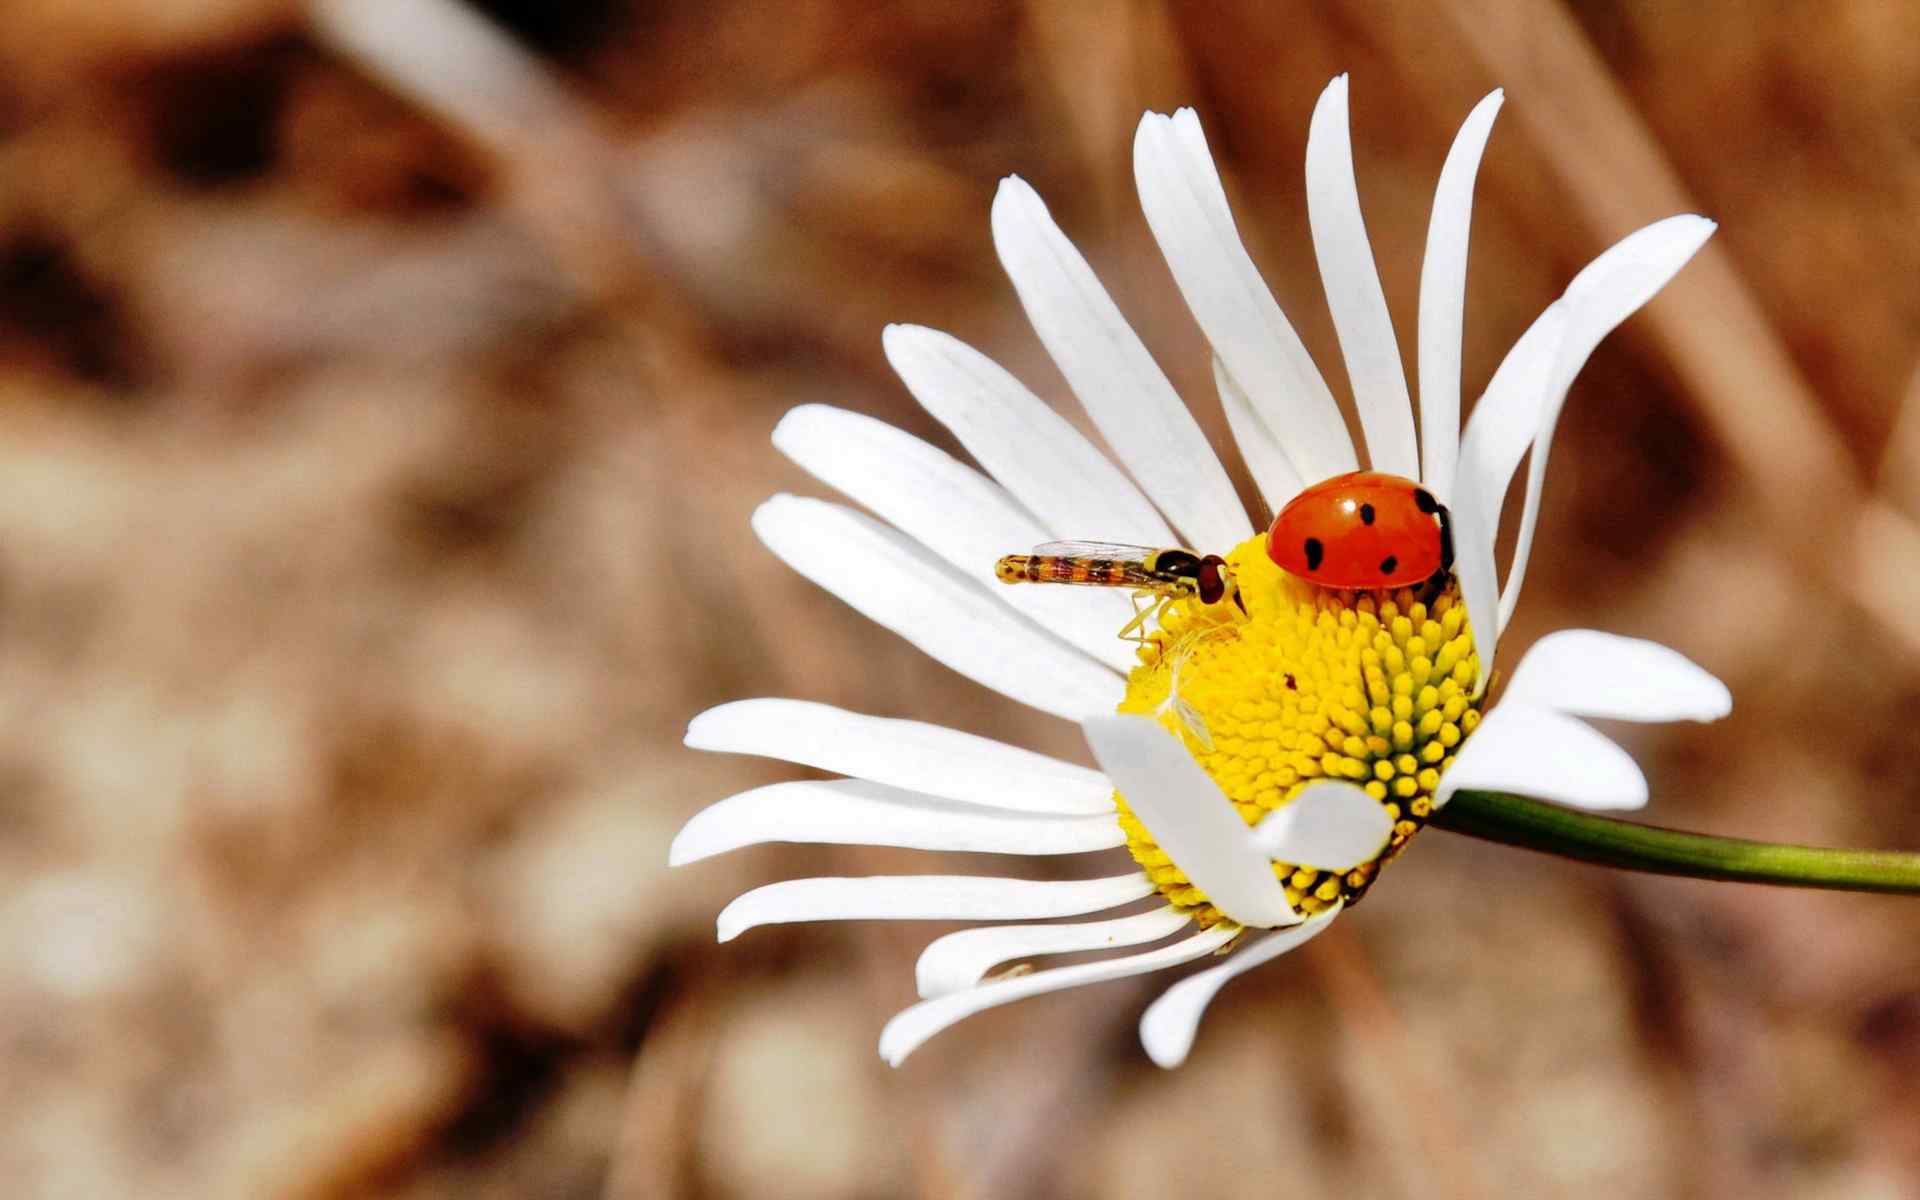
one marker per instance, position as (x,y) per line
(1362,530)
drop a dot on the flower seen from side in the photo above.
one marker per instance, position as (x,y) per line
(1260,762)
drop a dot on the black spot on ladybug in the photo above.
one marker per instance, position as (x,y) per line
(1424,501)
(1389,565)
(1315,552)
(1366,514)
(1293,685)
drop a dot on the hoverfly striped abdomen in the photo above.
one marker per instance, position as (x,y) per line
(1067,568)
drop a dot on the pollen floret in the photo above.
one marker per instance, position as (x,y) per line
(1371,687)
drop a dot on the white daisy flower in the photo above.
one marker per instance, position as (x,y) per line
(1262,760)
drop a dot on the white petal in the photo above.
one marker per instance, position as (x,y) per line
(1354,295)
(1611,289)
(1275,474)
(1186,206)
(926,898)
(1330,824)
(896,584)
(1190,817)
(1544,754)
(1117,381)
(905,1033)
(853,812)
(1508,414)
(952,510)
(1170,1022)
(1474,519)
(1588,673)
(959,960)
(908,754)
(1497,436)
(1443,296)
(1033,451)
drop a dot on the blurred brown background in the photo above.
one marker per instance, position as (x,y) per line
(382,399)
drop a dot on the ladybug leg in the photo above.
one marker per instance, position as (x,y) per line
(1435,584)
(1446,536)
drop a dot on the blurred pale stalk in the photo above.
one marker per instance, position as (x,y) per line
(561,166)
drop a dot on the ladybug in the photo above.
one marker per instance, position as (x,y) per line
(1365,529)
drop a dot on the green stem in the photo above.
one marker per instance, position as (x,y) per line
(1532,825)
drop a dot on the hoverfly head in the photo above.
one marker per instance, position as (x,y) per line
(1214,579)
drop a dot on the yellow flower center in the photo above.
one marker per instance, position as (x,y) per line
(1311,683)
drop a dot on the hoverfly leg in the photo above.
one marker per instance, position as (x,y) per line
(1145,605)
(1166,602)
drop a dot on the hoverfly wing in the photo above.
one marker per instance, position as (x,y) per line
(1113,551)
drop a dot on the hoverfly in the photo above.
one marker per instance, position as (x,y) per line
(1158,577)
